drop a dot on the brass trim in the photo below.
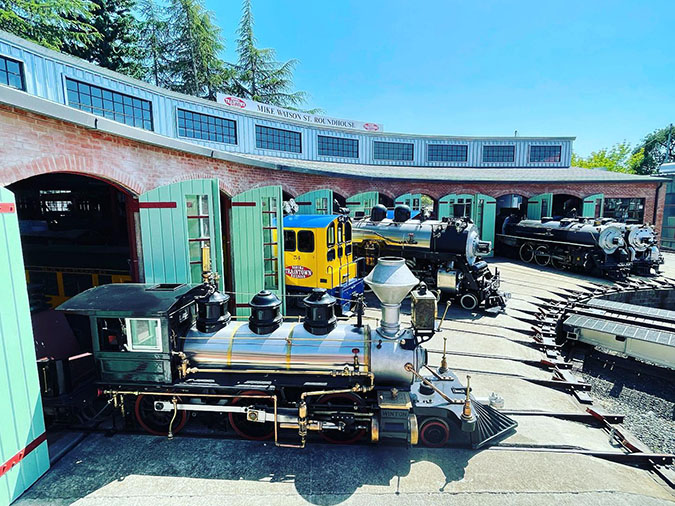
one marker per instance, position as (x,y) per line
(374,429)
(413,438)
(231,345)
(289,346)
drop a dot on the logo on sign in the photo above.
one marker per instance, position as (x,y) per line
(298,272)
(371,126)
(234,102)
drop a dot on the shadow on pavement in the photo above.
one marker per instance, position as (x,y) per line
(321,474)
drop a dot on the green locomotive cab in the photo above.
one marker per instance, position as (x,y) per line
(133,328)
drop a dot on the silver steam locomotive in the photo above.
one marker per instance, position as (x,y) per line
(164,351)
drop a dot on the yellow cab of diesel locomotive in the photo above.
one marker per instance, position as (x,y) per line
(318,251)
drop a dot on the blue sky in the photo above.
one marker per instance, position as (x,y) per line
(600,71)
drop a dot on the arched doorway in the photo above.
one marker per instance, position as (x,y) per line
(75,232)
(566,206)
(507,205)
(418,203)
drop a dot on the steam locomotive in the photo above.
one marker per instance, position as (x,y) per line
(444,254)
(163,351)
(591,246)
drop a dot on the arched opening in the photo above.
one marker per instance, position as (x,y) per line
(566,206)
(339,201)
(419,203)
(385,200)
(507,205)
(76,232)
(428,206)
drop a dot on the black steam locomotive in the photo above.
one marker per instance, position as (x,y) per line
(587,245)
(163,351)
(444,254)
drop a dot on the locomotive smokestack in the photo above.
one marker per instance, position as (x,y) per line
(391,280)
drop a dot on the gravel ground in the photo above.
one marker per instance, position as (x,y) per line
(647,401)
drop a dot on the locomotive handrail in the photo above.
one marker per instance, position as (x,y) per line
(547,240)
(353,261)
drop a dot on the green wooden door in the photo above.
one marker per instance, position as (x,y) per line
(485,214)
(362,203)
(23,443)
(257,250)
(315,202)
(412,200)
(540,206)
(593,206)
(177,221)
(456,205)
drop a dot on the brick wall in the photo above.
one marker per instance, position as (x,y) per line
(33,144)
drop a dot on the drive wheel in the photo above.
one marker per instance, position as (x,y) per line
(527,252)
(157,422)
(542,257)
(343,402)
(469,301)
(434,433)
(256,431)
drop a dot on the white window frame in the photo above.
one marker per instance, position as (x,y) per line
(130,339)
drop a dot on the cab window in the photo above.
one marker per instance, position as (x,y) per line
(306,241)
(145,334)
(111,334)
(289,240)
(340,235)
(330,235)
(348,231)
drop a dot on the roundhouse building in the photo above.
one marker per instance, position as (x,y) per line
(145,177)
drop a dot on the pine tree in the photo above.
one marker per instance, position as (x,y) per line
(155,42)
(258,75)
(54,24)
(195,67)
(117,48)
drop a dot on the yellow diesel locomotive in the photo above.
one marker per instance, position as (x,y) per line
(318,253)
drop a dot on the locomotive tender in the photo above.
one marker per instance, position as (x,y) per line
(595,246)
(444,254)
(169,350)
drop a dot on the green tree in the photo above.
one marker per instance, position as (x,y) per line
(619,158)
(194,64)
(117,48)
(258,76)
(54,23)
(154,41)
(657,146)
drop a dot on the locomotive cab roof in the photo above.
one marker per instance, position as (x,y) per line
(131,299)
(310,220)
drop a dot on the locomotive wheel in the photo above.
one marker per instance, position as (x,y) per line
(434,433)
(341,400)
(557,263)
(469,301)
(527,252)
(157,422)
(542,257)
(245,428)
